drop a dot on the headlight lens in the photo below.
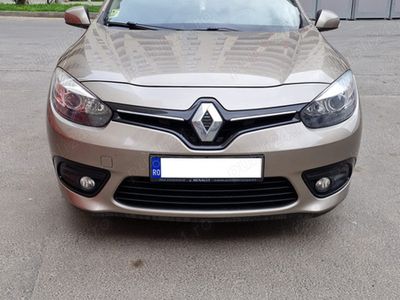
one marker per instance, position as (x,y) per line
(333,106)
(75,103)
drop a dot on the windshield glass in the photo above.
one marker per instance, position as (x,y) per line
(268,15)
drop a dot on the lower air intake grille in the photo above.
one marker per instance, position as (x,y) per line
(141,192)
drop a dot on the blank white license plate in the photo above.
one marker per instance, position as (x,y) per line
(204,169)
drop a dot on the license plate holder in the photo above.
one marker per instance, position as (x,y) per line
(205,169)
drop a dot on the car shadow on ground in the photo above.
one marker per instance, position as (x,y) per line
(105,226)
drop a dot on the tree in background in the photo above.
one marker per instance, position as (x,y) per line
(23,2)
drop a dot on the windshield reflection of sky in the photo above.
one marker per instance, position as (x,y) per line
(276,13)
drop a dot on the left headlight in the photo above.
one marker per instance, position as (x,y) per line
(75,103)
(335,105)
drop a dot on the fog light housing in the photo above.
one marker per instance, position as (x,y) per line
(82,179)
(326,181)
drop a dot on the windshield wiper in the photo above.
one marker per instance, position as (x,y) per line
(138,26)
(216,29)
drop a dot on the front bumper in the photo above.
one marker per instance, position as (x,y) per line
(124,151)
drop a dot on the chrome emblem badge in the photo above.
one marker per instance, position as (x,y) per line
(207,122)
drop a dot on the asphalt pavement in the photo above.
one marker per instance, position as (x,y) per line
(50,250)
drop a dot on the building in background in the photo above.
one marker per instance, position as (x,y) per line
(356,9)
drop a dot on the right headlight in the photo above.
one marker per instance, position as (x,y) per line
(335,105)
(75,103)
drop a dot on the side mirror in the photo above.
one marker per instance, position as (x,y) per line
(77,16)
(326,20)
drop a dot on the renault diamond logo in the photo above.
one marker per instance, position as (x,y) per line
(207,122)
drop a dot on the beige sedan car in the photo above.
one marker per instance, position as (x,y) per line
(203,110)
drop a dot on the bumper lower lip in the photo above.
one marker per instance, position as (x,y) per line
(304,205)
(124,151)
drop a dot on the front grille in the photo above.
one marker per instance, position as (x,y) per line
(142,193)
(180,124)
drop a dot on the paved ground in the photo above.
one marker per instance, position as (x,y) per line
(50,250)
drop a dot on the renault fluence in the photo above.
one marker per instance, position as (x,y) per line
(203,109)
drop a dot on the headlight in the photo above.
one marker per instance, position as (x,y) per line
(75,103)
(335,105)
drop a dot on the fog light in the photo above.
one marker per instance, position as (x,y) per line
(323,185)
(81,179)
(87,183)
(326,181)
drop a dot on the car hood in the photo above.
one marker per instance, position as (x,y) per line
(202,59)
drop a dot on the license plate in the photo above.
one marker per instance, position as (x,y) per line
(206,169)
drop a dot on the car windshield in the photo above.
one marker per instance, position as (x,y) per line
(269,15)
